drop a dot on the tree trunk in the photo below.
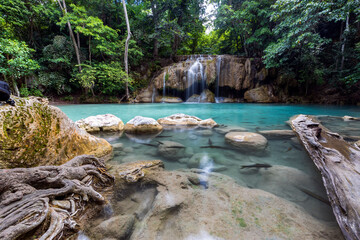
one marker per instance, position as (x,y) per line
(126,50)
(76,48)
(156,49)
(78,39)
(339,164)
(155,20)
(90,49)
(16,89)
(343,45)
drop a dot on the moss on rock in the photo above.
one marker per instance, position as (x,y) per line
(33,133)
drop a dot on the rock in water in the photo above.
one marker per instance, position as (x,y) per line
(107,122)
(171,150)
(182,120)
(247,141)
(33,133)
(143,125)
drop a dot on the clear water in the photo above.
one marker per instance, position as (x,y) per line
(264,116)
(292,170)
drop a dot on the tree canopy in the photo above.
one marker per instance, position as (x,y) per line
(71,46)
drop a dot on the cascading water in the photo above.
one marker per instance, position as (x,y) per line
(153,95)
(195,74)
(166,75)
(218,68)
(164,86)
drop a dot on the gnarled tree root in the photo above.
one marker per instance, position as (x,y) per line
(48,199)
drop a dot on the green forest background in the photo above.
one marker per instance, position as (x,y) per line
(314,42)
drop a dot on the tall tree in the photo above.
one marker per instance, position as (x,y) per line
(75,44)
(126,50)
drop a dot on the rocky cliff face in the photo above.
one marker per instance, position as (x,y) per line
(33,133)
(224,75)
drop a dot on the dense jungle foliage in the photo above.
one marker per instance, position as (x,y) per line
(66,47)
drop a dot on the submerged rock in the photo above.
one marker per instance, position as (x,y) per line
(171,150)
(277,134)
(247,141)
(204,133)
(183,120)
(227,129)
(195,204)
(107,122)
(33,133)
(291,184)
(142,125)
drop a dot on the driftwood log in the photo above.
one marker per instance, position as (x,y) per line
(44,202)
(339,164)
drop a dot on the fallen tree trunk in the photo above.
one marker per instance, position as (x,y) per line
(339,164)
(47,200)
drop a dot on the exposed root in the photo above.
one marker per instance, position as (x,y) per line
(49,195)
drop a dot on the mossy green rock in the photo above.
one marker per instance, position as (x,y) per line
(33,133)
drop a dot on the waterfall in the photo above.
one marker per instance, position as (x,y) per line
(218,67)
(194,74)
(164,86)
(153,95)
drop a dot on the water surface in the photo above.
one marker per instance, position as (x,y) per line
(292,170)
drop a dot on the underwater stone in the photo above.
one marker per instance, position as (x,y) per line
(277,134)
(183,206)
(171,150)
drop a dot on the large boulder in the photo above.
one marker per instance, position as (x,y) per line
(169,99)
(143,125)
(183,120)
(205,97)
(148,95)
(247,141)
(261,94)
(107,122)
(33,133)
